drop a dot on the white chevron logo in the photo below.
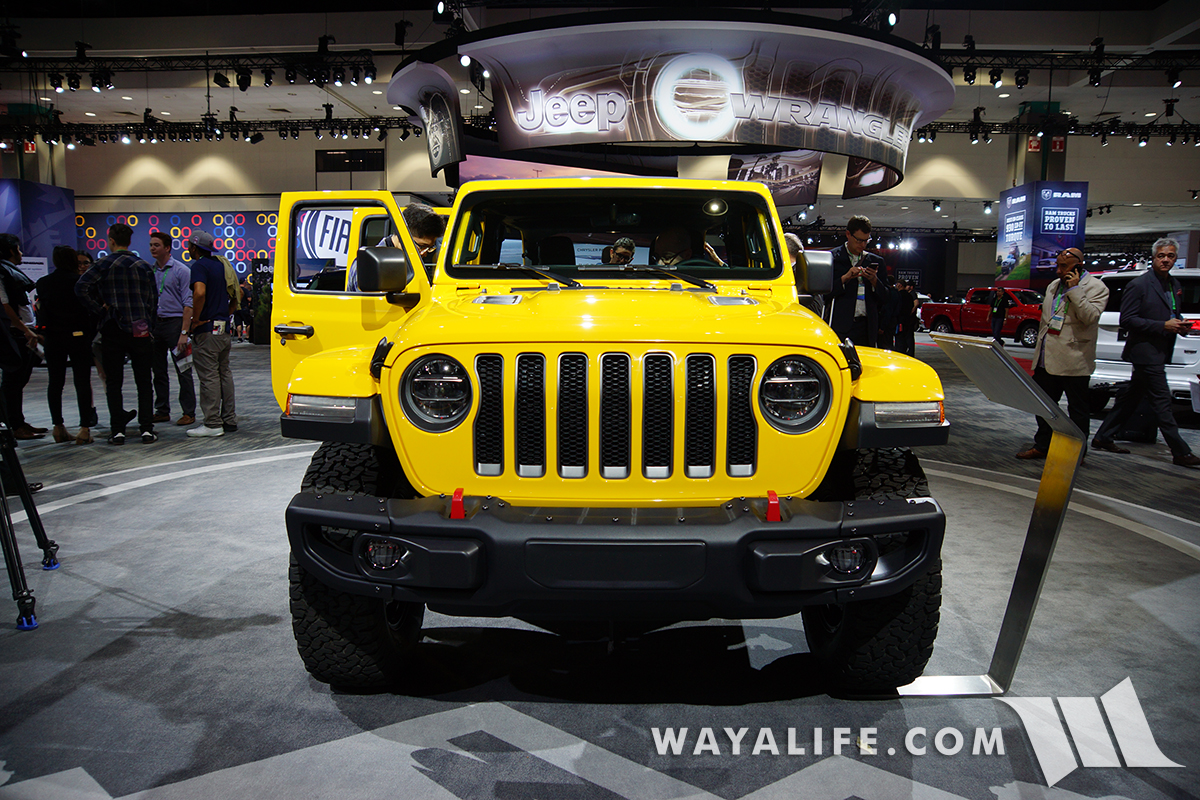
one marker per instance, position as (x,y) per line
(1087,729)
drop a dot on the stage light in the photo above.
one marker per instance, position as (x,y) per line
(243,79)
(290,74)
(339,76)
(220,80)
(1022,78)
(996,78)
(937,206)
(1173,78)
(56,83)
(268,77)
(987,207)
(256,138)
(1094,76)
(969,75)
(369,74)
(73,81)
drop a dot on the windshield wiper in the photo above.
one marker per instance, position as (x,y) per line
(570,283)
(694,281)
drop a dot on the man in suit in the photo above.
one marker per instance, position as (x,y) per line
(1065,354)
(1150,312)
(853,308)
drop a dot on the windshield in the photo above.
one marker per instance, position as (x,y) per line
(612,234)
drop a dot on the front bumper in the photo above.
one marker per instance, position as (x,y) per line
(728,561)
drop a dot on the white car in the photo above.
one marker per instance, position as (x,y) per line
(1111,370)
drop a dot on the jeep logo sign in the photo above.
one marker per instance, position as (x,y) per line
(756,80)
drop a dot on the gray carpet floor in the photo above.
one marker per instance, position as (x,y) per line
(164,666)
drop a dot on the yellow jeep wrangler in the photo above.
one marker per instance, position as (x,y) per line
(534,427)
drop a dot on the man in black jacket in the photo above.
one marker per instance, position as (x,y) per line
(1150,311)
(853,308)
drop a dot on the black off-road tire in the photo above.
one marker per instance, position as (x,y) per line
(348,640)
(873,646)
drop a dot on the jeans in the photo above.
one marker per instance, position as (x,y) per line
(165,338)
(114,346)
(61,348)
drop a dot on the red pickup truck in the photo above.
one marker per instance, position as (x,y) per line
(973,315)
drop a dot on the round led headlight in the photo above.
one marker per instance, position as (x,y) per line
(794,394)
(435,393)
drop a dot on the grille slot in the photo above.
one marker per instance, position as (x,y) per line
(700,417)
(615,415)
(572,415)
(658,414)
(489,422)
(530,415)
(741,432)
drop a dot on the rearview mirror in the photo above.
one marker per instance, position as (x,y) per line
(383,269)
(814,272)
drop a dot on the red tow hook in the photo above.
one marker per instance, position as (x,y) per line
(773,507)
(456,505)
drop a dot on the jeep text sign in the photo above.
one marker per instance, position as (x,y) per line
(681,81)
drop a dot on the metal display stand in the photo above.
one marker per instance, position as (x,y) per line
(1003,381)
(26,604)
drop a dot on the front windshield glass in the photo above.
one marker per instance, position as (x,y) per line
(612,234)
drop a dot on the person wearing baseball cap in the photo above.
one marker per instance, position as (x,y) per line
(210,338)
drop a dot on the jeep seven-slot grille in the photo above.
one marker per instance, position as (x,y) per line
(572,415)
(530,415)
(576,420)
(489,422)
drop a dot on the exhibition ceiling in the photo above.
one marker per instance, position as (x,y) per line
(141,29)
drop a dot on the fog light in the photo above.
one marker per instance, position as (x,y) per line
(847,558)
(384,554)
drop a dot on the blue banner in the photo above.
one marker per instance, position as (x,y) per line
(1036,221)
(239,236)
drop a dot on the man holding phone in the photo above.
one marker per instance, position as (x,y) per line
(1065,354)
(1151,312)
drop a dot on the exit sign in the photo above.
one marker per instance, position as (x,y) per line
(31,147)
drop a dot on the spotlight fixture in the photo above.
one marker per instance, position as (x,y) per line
(996,78)
(369,74)
(56,83)
(1195,193)
(317,133)
(1171,106)
(1104,140)
(442,13)
(220,80)
(97,82)
(464,60)
(1022,78)
(987,137)
(1094,76)
(295,133)
(987,206)
(937,206)
(932,134)
(282,133)
(921,135)
(243,79)
(339,76)
(1143,140)
(354,73)
(974,136)
(1173,78)
(73,81)
(969,75)
(382,134)
(1171,140)
(256,138)
(403,134)
(290,74)
(268,77)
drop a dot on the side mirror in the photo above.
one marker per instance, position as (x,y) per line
(814,272)
(383,269)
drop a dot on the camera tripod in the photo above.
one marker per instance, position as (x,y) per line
(15,477)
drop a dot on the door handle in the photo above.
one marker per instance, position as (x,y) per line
(295,330)
(285,331)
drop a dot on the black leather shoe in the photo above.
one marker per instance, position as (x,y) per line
(1189,460)
(1108,447)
